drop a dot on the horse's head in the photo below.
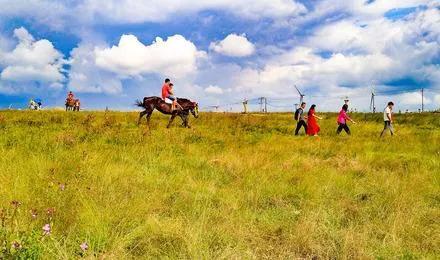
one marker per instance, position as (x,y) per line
(195,109)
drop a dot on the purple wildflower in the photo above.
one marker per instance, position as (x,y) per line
(46,230)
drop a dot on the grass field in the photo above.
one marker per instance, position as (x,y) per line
(233,186)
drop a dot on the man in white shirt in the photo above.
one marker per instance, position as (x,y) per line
(388,119)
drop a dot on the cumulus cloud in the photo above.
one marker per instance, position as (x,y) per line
(214,90)
(413,98)
(176,56)
(437,99)
(234,45)
(32,61)
(86,77)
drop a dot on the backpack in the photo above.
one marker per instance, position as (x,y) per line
(297,114)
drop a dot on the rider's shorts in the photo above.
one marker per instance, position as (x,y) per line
(170,99)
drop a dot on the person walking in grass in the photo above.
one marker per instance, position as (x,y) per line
(312,124)
(388,119)
(300,119)
(342,120)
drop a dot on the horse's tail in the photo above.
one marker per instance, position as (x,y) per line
(139,103)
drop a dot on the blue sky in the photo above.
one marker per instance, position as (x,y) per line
(221,51)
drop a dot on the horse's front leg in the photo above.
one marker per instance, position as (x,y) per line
(182,116)
(185,119)
(171,120)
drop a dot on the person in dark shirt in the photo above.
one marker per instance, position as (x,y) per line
(300,118)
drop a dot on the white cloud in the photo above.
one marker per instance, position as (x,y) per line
(60,15)
(86,77)
(32,61)
(413,98)
(234,45)
(214,90)
(437,99)
(48,12)
(128,11)
(176,56)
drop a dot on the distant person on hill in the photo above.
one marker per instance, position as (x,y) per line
(70,95)
(312,125)
(388,119)
(342,120)
(300,119)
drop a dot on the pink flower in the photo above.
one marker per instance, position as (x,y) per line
(46,230)
(62,186)
(84,246)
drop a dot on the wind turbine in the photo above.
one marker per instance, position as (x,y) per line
(215,107)
(301,96)
(372,105)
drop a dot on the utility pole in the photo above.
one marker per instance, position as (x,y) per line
(265,105)
(423,105)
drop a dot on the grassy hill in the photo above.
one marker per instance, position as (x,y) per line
(233,186)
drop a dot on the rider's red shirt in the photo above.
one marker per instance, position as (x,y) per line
(165,91)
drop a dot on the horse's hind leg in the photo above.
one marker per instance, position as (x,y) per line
(149,117)
(141,114)
(171,120)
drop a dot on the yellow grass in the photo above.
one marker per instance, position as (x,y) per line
(233,186)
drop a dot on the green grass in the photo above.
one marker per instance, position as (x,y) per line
(233,186)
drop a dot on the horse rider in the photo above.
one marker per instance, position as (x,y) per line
(32,104)
(168,94)
(70,96)
(77,104)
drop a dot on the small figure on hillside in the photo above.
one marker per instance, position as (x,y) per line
(70,96)
(39,103)
(342,120)
(312,125)
(300,119)
(32,104)
(77,105)
(388,119)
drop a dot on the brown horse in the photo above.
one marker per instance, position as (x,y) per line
(186,107)
(72,104)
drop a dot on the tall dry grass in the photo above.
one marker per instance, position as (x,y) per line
(233,186)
